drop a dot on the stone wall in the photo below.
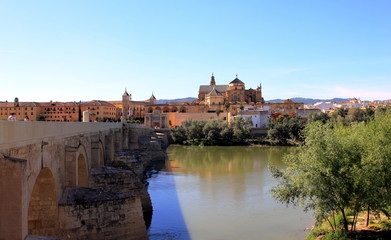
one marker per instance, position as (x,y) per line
(86,213)
(11,200)
(122,180)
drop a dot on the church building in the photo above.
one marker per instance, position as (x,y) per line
(235,92)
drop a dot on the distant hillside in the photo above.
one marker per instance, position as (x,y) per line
(309,100)
(162,101)
(295,99)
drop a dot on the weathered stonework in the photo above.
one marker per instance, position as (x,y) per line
(87,213)
(121,180)
(45,163)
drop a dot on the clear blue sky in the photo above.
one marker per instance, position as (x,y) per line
(83,50)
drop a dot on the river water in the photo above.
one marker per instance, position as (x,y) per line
(222,193)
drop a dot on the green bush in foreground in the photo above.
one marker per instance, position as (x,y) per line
(340,169)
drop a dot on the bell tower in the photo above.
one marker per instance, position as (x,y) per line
(212,80)
(126,108)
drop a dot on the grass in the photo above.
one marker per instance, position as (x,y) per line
(379,228)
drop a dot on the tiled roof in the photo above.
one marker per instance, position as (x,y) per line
(97,103)
(236,80)
(208,88)
(214,92)
(21,104)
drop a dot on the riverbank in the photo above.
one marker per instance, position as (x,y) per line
(375,226)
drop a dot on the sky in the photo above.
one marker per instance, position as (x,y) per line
(92,50)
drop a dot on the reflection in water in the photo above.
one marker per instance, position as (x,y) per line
(221,193)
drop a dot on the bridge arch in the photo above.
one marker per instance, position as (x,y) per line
(42,210)
(81,167)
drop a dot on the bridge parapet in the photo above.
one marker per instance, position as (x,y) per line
(20,132)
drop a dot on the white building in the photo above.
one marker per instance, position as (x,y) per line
(258,117)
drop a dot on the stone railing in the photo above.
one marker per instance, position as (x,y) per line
(19,131)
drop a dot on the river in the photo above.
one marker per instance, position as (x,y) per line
(216,193)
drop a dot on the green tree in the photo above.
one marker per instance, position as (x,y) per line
(241,129)
(286,130)
(355,114)
(323,117)
(40,118)
(226,106)
(212,131)
(218,111)
(340,169)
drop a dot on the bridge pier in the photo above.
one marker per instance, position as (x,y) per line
(13,220)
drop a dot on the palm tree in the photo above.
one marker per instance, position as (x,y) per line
(218,111)
(227,105)
(241,107)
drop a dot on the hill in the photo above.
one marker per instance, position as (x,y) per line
(309,100)
(163,101)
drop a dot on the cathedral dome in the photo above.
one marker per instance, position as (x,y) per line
(236,80)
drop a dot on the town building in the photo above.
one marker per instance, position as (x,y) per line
(235,92)
(58,111)
(214,102)
(21,109)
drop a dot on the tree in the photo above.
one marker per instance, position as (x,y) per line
(218,111)
(340,168)
(355,115)
(241,129)
(286,130)
(212,132)
(241,107)
(227,105)
(323,117)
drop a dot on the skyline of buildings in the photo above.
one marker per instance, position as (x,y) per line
(210,104)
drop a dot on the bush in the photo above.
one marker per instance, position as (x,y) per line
(336,235)
(212,132)
(286,130)
(385,225)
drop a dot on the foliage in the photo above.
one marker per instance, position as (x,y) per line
(227,105)
(286,130)
(40,118)
(212,132)
(323,117)
(352,115)
(340,169)
(386,225)
(336,235)
(134,121)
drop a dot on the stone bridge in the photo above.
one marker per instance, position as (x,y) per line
(57,180)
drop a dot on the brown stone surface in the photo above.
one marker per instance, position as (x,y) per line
(36,168)
(87,213)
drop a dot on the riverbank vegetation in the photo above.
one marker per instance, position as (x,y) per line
(212,132)
(286,130)
(342,173)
